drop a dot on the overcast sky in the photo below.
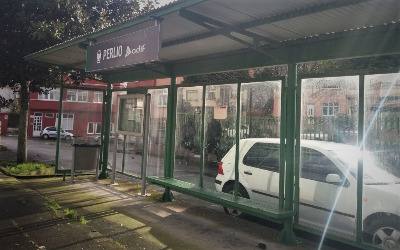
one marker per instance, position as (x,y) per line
(163,2)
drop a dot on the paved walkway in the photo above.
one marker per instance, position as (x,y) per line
(113,217)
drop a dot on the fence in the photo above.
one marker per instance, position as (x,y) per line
(382,137)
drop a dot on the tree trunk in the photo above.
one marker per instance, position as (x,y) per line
(22,150)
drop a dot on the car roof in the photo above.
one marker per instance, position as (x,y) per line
(326,145)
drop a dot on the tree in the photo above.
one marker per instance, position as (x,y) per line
(28,26)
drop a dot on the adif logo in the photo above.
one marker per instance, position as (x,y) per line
(98,56)
(130,51)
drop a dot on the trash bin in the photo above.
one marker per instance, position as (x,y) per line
(85,158)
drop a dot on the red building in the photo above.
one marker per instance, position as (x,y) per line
(8,94)
(81,110)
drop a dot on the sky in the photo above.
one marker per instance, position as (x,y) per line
(164,2)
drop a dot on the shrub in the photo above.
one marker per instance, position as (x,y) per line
(26,168)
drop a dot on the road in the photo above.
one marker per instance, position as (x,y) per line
(44,151)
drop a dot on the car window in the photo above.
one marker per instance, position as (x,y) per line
(51,129)
(263,155)
(316,166)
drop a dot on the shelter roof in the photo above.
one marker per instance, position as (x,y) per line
(203,30)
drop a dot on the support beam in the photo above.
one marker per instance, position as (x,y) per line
(169,159)
(220,28)
(287,235)
(104,174)
(360,169)
(269,20)
(60,105)
(384,40)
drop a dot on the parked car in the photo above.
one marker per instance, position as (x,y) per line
(51,132)
(328,187)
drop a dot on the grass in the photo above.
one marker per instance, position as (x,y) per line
(154,194)
(8,164)
(21,200)
(69,213)
(82,220)
(53,205)
(31,168)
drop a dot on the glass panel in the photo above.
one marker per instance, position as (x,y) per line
(381,161)
(129,148)
(187,134)
(328,187)
(158,119)
(259,156)
(133,153)
(130,120)
(77,123)
(220,121)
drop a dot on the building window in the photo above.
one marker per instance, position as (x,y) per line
(49,115)
(310,110)
(52,95)
(98,128)
(90,128)
(67,121)
(210,95)
(191,95)
(330,108)
(162,98)
(98,97)
(76,95)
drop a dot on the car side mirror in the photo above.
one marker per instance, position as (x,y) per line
(333,178)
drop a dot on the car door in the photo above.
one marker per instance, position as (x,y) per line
(260,169)
(323,205)
(52,132)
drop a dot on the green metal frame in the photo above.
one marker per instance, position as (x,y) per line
(322,47)
(169,161)
(287,235)
(106,139)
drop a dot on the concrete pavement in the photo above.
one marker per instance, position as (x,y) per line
(115,216)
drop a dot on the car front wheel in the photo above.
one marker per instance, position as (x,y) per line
(67,138)
(45,136)
(386,234)
(241,193)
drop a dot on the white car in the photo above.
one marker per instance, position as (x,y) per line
(328,187)
(51,132)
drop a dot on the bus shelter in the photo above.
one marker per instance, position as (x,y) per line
(318,152)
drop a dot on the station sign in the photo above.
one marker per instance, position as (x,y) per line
(130,49)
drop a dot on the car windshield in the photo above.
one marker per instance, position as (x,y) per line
(374,170)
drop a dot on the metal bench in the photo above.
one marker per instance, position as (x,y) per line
(242,204)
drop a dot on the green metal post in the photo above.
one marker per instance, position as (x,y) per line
(287,235)
(104,174)
(360,173)
(59,124)
(103,113)
(283,129)
(203,112)
(123,153)
(169,160)
(297,153)
(237,139)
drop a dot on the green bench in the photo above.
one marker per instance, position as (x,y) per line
(247,206)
